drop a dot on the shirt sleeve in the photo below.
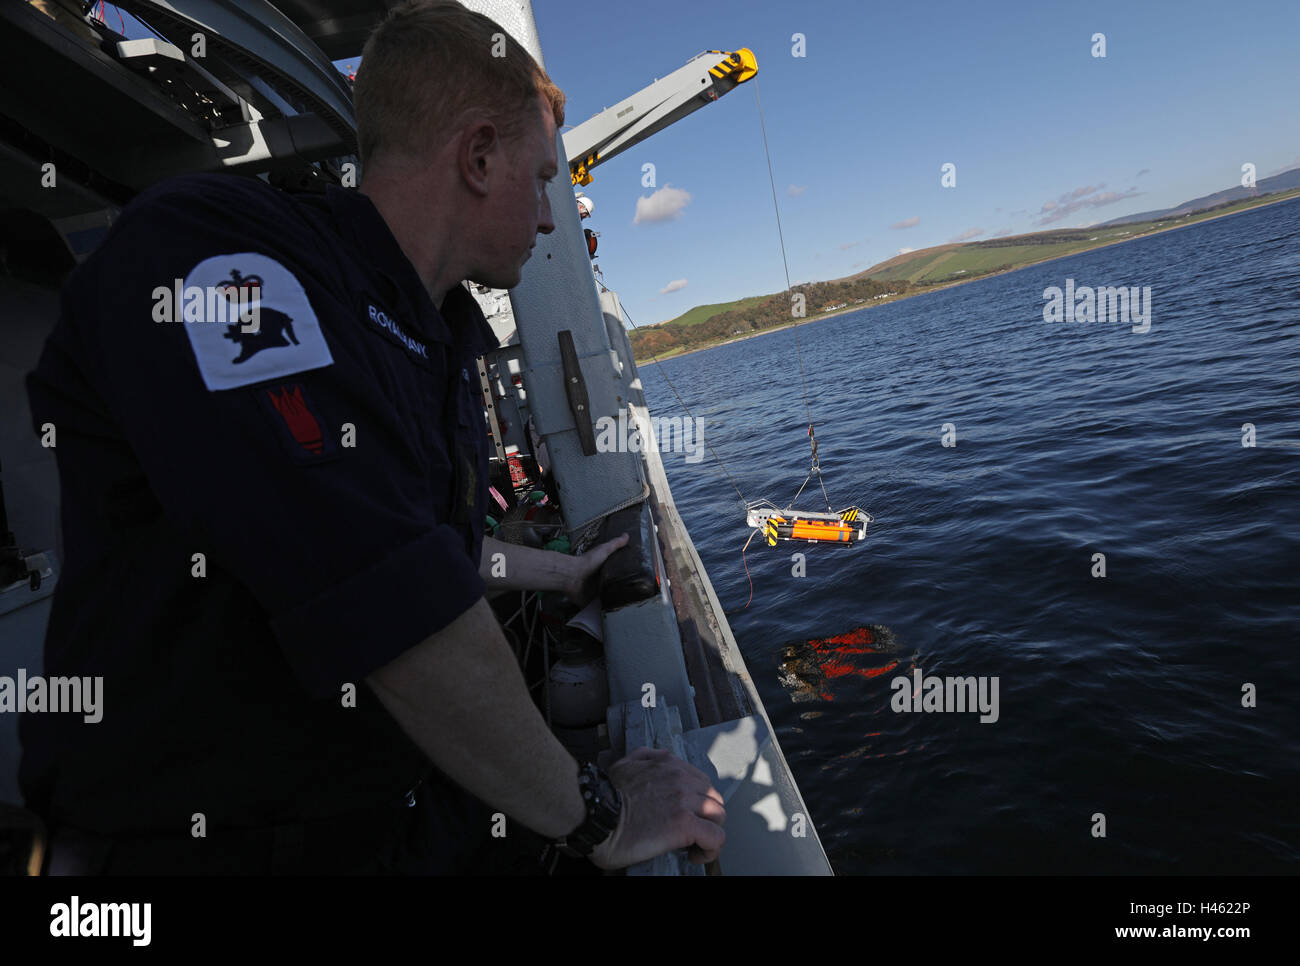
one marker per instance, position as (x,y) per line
(240,427)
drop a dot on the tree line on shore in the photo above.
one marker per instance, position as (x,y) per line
(774,311)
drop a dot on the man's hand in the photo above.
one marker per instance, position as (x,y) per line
(667,804)
(529,569)
(583,583)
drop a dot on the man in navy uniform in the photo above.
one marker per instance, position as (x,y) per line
(273,465)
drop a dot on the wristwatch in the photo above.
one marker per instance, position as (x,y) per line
(604,805)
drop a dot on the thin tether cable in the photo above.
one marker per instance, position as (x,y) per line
(663,372)
(716,458)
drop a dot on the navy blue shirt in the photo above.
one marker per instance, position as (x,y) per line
(261,379)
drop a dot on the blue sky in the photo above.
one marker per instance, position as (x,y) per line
(1008,92)
(859,128)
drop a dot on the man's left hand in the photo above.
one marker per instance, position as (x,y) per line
(583,585)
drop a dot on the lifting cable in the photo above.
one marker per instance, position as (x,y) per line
(775,525)
(803,378)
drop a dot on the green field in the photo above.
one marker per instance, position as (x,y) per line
(950,263)
(702,313)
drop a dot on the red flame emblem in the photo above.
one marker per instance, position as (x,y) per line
(292,408)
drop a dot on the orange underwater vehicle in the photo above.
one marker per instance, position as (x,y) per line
(775,524)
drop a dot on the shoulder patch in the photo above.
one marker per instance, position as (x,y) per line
(300,425)
(248,320)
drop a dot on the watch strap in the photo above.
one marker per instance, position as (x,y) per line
(604,805)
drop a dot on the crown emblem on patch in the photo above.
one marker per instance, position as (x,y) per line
(240,286)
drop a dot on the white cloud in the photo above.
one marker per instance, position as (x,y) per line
(1088,196)
(673,286)
(795,190)
(969,233)
(664,205)
(904,251)
(907,222)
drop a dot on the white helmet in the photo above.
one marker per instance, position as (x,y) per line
(587,205)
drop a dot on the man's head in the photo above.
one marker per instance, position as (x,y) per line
(458,117)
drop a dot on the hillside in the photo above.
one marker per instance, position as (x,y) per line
(1285,181)
(953,263)
(908,274)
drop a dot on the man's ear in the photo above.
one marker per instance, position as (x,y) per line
(480,155)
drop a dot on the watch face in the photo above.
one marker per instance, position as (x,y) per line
(611,801)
